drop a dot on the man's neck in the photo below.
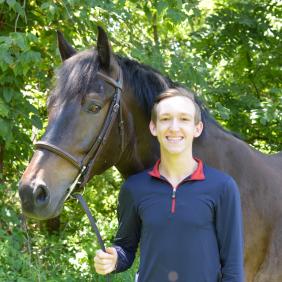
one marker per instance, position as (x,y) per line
(176,168)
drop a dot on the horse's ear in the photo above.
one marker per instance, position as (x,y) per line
(66,50)
(104,49)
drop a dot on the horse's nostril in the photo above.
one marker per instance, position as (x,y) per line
(41,195)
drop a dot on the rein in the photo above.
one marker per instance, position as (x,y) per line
(85,166)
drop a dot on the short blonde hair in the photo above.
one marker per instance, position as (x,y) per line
(174,92)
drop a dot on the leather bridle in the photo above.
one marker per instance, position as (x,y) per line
(85,166)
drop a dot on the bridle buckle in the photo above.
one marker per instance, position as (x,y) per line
(115,107)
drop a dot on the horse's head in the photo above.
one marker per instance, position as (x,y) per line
(78,108)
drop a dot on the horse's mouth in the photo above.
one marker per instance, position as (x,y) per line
(42,213)
(41,216)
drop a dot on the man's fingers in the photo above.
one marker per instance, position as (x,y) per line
(103,271)
(105,262)
(103,255)
(103,268)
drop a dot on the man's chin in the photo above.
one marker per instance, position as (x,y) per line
(175,151)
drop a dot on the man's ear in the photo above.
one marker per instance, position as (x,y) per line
(198,129)
(104,49)
(153,129)
(66,50)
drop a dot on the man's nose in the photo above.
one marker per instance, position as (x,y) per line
(174,125)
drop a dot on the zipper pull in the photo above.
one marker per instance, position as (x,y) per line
(173,196)
(173,193)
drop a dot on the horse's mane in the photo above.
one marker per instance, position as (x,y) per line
(146,82)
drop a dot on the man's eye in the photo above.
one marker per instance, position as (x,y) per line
(94,108)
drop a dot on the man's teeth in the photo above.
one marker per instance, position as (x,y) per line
(174,138)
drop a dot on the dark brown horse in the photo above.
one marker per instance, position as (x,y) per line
(77,108)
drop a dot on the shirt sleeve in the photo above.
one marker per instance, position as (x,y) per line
(128,234)
(230,233)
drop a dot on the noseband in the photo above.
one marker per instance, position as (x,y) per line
(85,166)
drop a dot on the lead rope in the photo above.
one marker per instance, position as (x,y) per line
(93,224)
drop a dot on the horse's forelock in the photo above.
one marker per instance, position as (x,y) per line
(75,77)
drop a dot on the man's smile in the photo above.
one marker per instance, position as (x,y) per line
(174,139)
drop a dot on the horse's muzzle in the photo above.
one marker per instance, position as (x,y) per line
(34,199)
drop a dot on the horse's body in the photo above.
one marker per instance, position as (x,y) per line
(259,179)
(258,175)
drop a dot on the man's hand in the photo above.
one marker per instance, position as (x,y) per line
(105,263)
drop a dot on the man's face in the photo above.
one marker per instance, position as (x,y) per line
(175,125)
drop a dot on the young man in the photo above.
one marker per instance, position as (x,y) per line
(185,215)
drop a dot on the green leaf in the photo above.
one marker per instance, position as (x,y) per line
(223,111)
(263,120)
(36,121)
(31,108)
(5,57)
(45,6)
(11,3)
(8,94)
(161,7)
(179,4)
(4,110)
(4,128)
(19,9)
(3,66)
(247,21)
(52,9)
(19,39)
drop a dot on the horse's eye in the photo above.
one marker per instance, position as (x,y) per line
(94,108)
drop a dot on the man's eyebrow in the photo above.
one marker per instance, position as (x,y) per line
(180,114)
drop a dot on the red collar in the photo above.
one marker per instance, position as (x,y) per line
(198,174)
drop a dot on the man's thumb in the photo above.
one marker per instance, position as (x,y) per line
(111,251)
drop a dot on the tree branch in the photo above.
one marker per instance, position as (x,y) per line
(16,22)
(155,30)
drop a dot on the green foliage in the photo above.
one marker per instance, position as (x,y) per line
(29,253)
(230,54)
(240,40)
(18,116)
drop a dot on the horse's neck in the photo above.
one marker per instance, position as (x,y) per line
(141,153)
(141,147)
(246,165)
(224,151)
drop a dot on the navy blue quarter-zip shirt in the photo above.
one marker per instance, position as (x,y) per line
(189,234)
